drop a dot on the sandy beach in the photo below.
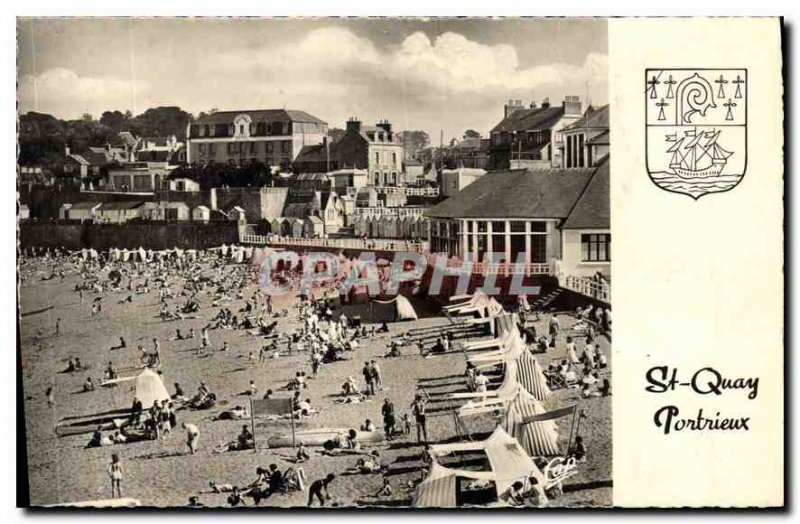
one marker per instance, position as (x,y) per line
(162,473)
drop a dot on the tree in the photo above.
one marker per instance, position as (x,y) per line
(471,133)
(335,134)
(115,120)
(162,121)
(414,140)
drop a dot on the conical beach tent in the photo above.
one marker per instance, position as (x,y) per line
(531,376)
(438,490)
(150,388)
(405,311)
(538,438)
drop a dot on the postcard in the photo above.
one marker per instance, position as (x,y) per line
(367,263)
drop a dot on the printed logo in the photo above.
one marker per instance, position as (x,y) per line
(696,129)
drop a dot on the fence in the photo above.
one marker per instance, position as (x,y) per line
(338,243)
(597,289)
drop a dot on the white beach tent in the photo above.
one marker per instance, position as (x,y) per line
(511,349)
(148,387)
(531,376)
(508,461)
(504,330)
(539,438)
(405,311)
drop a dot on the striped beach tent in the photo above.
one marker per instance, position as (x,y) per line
(531,376)
(438,490)
(537,438)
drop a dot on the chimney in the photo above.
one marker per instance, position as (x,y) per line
(546,103)
(66,150)
(572,106)
(385,125)
(511,106)
(354,125)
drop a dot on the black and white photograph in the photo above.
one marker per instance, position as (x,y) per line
(317,262)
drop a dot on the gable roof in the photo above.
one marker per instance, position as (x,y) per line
(520,193)
(591,118)
(593,208)
(602,139)
(527,119)
(259,115)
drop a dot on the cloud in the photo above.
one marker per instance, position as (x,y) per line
(450,82)
(63,92)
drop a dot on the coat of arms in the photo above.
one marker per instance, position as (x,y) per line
(696,129)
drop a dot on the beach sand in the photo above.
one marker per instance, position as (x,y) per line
(161,473)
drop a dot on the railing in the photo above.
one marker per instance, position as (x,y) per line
(408,191)
(503,269)
(389,211)
(338,243)
(597,289)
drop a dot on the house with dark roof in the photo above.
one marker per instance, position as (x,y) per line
(551,220)
(377,149)
(529,136)
(586,141)
(92,165)
(472,152)
(273,137)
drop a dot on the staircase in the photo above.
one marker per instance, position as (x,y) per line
(544,301)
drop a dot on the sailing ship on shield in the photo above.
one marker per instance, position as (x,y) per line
(697,155)
(696,129)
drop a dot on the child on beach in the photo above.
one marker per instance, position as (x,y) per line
(115,474)
(406,424)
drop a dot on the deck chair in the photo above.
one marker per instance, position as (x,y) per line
(555,380)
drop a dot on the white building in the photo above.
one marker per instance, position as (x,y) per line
(454,180)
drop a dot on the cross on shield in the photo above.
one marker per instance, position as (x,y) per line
(697,144)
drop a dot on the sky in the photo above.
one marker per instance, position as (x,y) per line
(437,75)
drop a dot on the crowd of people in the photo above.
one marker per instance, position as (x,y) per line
(205,296)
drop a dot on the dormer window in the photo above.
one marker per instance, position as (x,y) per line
(241,126)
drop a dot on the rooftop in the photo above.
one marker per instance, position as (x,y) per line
(592,211)
(591,118)
(522,193)
(260,115)
(528,119)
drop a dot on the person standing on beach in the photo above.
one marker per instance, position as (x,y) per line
(58,326)
(368,378)
(387,410)
(377,378)
(555,328)
(192,436)
(418,409)
(115,474)
(50,397)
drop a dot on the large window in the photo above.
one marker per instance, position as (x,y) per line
(596,247)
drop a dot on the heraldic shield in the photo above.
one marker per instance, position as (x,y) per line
(696,129)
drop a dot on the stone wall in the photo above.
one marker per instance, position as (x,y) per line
(149,235)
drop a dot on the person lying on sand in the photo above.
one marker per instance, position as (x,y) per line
(235,413)
(220,488)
